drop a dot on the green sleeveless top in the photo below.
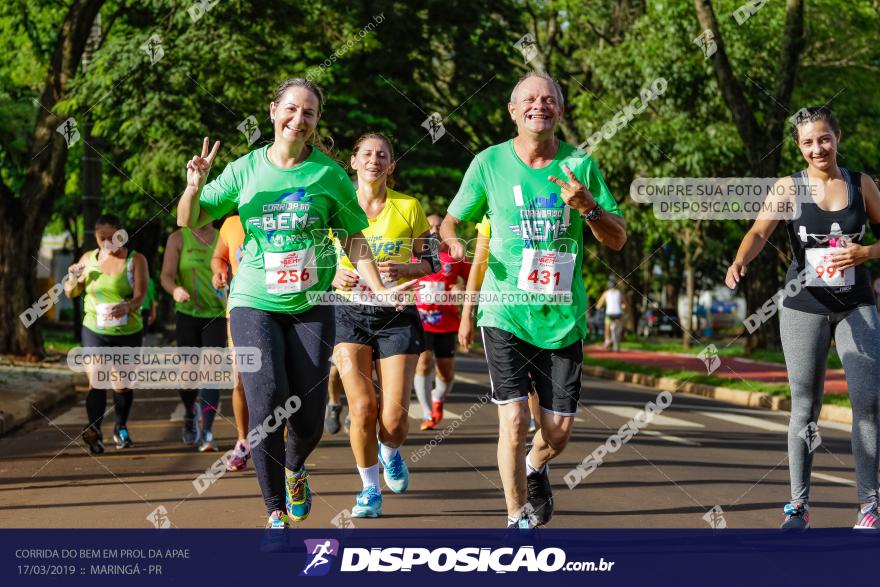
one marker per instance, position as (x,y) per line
(194,275)
(103,291)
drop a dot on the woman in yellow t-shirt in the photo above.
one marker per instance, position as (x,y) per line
(368,333)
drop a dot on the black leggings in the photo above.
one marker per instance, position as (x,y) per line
(96,400)
(295,352)
(201,332)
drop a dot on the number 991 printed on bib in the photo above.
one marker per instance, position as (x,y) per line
(290,272)
(821,272)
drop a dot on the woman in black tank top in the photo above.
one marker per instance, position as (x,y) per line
(827,295)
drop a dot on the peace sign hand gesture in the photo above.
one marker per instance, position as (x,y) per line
(198,167)
(574,193)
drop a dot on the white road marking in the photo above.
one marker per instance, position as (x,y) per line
(670,438)
(627,413)
(834,479)
(759,423)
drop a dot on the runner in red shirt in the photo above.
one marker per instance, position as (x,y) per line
(440,322)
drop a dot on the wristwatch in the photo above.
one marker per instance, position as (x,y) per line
(594,214)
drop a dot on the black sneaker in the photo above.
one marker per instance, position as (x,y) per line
(122,438)
(94,440)
(190,433)
(331,418)
(540,495)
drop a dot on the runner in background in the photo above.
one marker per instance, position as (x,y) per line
(227,256)
(469,310)
(612,301)
(333,413)
(538,224)
(114,279)
(369,334)
(149,310)
(440,321)
(200,317)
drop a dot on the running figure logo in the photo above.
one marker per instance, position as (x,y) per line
(250,129)
(706,43)
(434,124)
(153,48)
(318,564)
(68,130)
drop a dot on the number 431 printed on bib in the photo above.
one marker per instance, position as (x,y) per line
(547,272)
(821,272)
(290,272)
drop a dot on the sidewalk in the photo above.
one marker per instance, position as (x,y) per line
(730,367)
(26,390)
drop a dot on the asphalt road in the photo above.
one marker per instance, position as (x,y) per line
(696,455)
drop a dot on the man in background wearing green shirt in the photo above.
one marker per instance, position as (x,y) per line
(533,310)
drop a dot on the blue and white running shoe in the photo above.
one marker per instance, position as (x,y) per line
(368,503)
(396,473)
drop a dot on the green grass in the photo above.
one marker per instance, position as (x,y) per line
(58,341)
(696,377)
(734,350)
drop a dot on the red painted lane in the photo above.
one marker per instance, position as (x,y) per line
(730,367)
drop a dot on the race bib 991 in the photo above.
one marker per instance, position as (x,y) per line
(821,272)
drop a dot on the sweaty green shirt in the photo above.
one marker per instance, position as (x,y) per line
(287,252)
(536,247)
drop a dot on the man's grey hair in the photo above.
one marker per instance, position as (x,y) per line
(543,76)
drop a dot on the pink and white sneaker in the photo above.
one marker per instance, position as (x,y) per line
(239,459)
(868,518)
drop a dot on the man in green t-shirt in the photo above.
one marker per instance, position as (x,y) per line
(533,301)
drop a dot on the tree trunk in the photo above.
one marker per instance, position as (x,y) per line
(762,141)
(688,322)
(23,218)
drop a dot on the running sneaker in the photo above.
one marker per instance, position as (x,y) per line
(427,424)
(797,517)
(207,444)
(396,473)
(238,460)
(868,518)
(331,418)
(122,438)
(278,521)
(368,503)
(298,496)
(437,412)
(540,494)
(523,523)
(93,439)
(190,432)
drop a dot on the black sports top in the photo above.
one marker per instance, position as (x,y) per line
(818,228)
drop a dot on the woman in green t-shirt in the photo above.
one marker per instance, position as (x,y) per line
(114,280)
(200,312)
(288,194)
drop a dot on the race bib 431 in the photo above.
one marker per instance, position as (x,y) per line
(548,272)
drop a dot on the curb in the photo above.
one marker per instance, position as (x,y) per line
(42,400)
(751,399)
